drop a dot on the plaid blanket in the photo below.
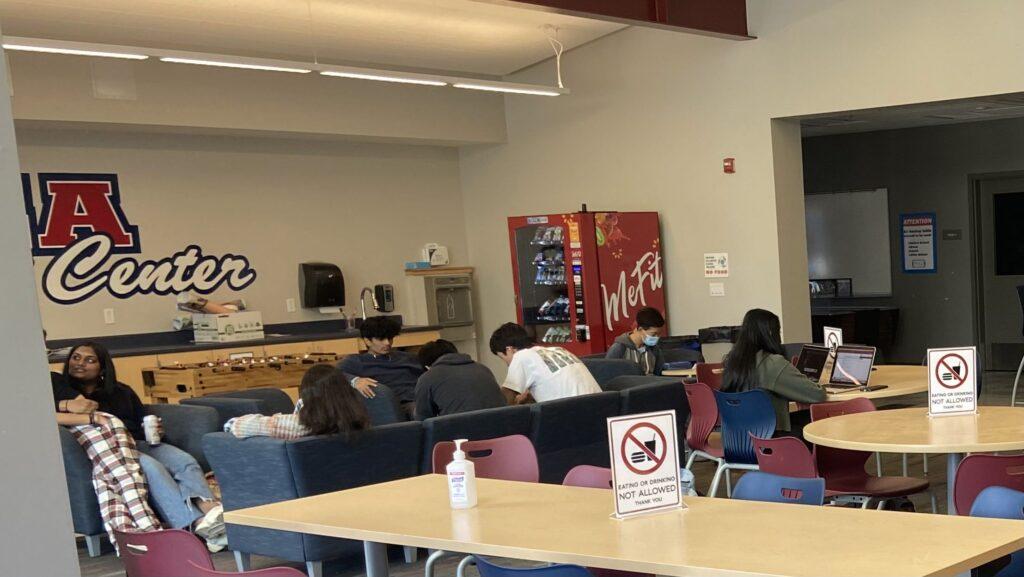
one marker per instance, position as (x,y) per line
(116,476)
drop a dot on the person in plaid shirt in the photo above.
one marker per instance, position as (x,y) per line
(327,405)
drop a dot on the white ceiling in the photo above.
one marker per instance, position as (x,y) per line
(915,115)
(435,35)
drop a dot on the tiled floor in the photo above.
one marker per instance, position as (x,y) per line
(996,391)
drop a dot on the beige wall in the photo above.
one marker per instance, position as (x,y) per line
(201,98)
(367,207)
(653,113)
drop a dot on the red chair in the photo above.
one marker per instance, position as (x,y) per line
(978,472)
(589,476)
(510,458)
(785,456)
(703,418)
(170,553)
(268,572)
(710,374)
(844,471)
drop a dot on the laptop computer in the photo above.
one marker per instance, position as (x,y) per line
(811,361)
(852,367)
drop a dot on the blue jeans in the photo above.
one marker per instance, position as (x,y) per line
(175,479)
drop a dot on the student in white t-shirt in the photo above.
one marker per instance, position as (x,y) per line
(540,373)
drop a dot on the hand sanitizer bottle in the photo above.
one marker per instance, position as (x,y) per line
(461,479)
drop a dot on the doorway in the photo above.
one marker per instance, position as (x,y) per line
(997,207)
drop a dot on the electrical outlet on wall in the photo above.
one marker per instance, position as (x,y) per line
(290,305)
(717,289)
(108,316)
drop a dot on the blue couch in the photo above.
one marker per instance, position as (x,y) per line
(258,471)
(184,427)
(383,407)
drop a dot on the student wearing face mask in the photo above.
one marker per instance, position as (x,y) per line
(640,345)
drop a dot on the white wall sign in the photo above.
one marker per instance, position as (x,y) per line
(833,339)
(952,381)
(645,463)
(716,264)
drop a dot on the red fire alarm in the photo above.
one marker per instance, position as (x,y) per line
(729,165)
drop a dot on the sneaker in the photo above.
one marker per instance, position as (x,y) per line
(217,544)
(212,524)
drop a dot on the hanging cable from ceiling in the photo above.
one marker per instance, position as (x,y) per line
(552,33)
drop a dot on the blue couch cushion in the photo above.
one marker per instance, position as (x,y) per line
(624,382)
(473,425)
(604,370)
(383,407)
(228,408)
(572,431)
(85,509)
(185,426)
(662,396)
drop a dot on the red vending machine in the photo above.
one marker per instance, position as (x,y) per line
(581,277)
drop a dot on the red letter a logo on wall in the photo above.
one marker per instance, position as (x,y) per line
(76,206)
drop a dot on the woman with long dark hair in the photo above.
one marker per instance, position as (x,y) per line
(88,395)
(758,361)
(327,405)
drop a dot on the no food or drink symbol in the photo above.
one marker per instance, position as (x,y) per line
(833,342)
(643,448)
(951,371)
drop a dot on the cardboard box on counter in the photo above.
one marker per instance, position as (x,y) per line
(228,328)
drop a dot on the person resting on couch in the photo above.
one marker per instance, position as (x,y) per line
(453,383)
(382,364)
(538,373)
(98,409)
(327,405)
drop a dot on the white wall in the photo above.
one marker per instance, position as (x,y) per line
(366,207)
(653,113)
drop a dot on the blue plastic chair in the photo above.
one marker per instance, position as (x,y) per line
(1001,503)
(488,569)
(758,486)
(742,414)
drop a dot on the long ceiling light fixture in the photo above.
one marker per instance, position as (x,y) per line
(72,48)
(270,65)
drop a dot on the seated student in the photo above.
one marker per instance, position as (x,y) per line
(540,373)
(104,414)
(453,383)
(757,360)
(380,364)
(327,405)
(640,345)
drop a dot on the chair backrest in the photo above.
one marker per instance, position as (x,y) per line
(604,370)
(268,572)
(978,472)
(488,569)
(170,553)
(786,456)
(589,476)
(510,458)
(272,399)
(482,424)
(743,414)
(383,407)
(999,503)
(703,415)
(761,486)
(836,463)
(710,374)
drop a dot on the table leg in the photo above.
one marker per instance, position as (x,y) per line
(952,462)
(376,559)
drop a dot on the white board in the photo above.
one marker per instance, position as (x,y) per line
(848,237)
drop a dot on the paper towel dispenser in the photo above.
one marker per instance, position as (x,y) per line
(321,284)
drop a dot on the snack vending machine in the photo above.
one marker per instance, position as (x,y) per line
(581,277)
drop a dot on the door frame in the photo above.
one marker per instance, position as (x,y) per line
(974,184)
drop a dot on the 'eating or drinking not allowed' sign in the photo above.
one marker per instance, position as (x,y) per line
(645,463)
(952,381)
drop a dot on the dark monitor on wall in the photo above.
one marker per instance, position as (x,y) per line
(826,288)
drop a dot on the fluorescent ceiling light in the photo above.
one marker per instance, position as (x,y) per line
(226,64)
(512,88)
(384,78)
(73,48)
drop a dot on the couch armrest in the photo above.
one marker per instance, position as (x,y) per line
(85,509)
(184,427)
(226,407)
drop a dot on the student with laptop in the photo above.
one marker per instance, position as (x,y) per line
(757,360)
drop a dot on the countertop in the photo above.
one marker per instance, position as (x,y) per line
(181,341)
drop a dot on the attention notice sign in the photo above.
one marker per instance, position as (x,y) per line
(645,463)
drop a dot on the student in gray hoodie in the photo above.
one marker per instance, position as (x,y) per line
(453,383)
(640,345)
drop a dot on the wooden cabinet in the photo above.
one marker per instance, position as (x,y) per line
(289,349)
(337,346)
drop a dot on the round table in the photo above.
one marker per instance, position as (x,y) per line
(913,431)
(899,380)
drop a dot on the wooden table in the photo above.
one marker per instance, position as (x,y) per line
(712,537)
(913,431)
(899,380)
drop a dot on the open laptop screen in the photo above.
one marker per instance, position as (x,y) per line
(852,366)
(812,361)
